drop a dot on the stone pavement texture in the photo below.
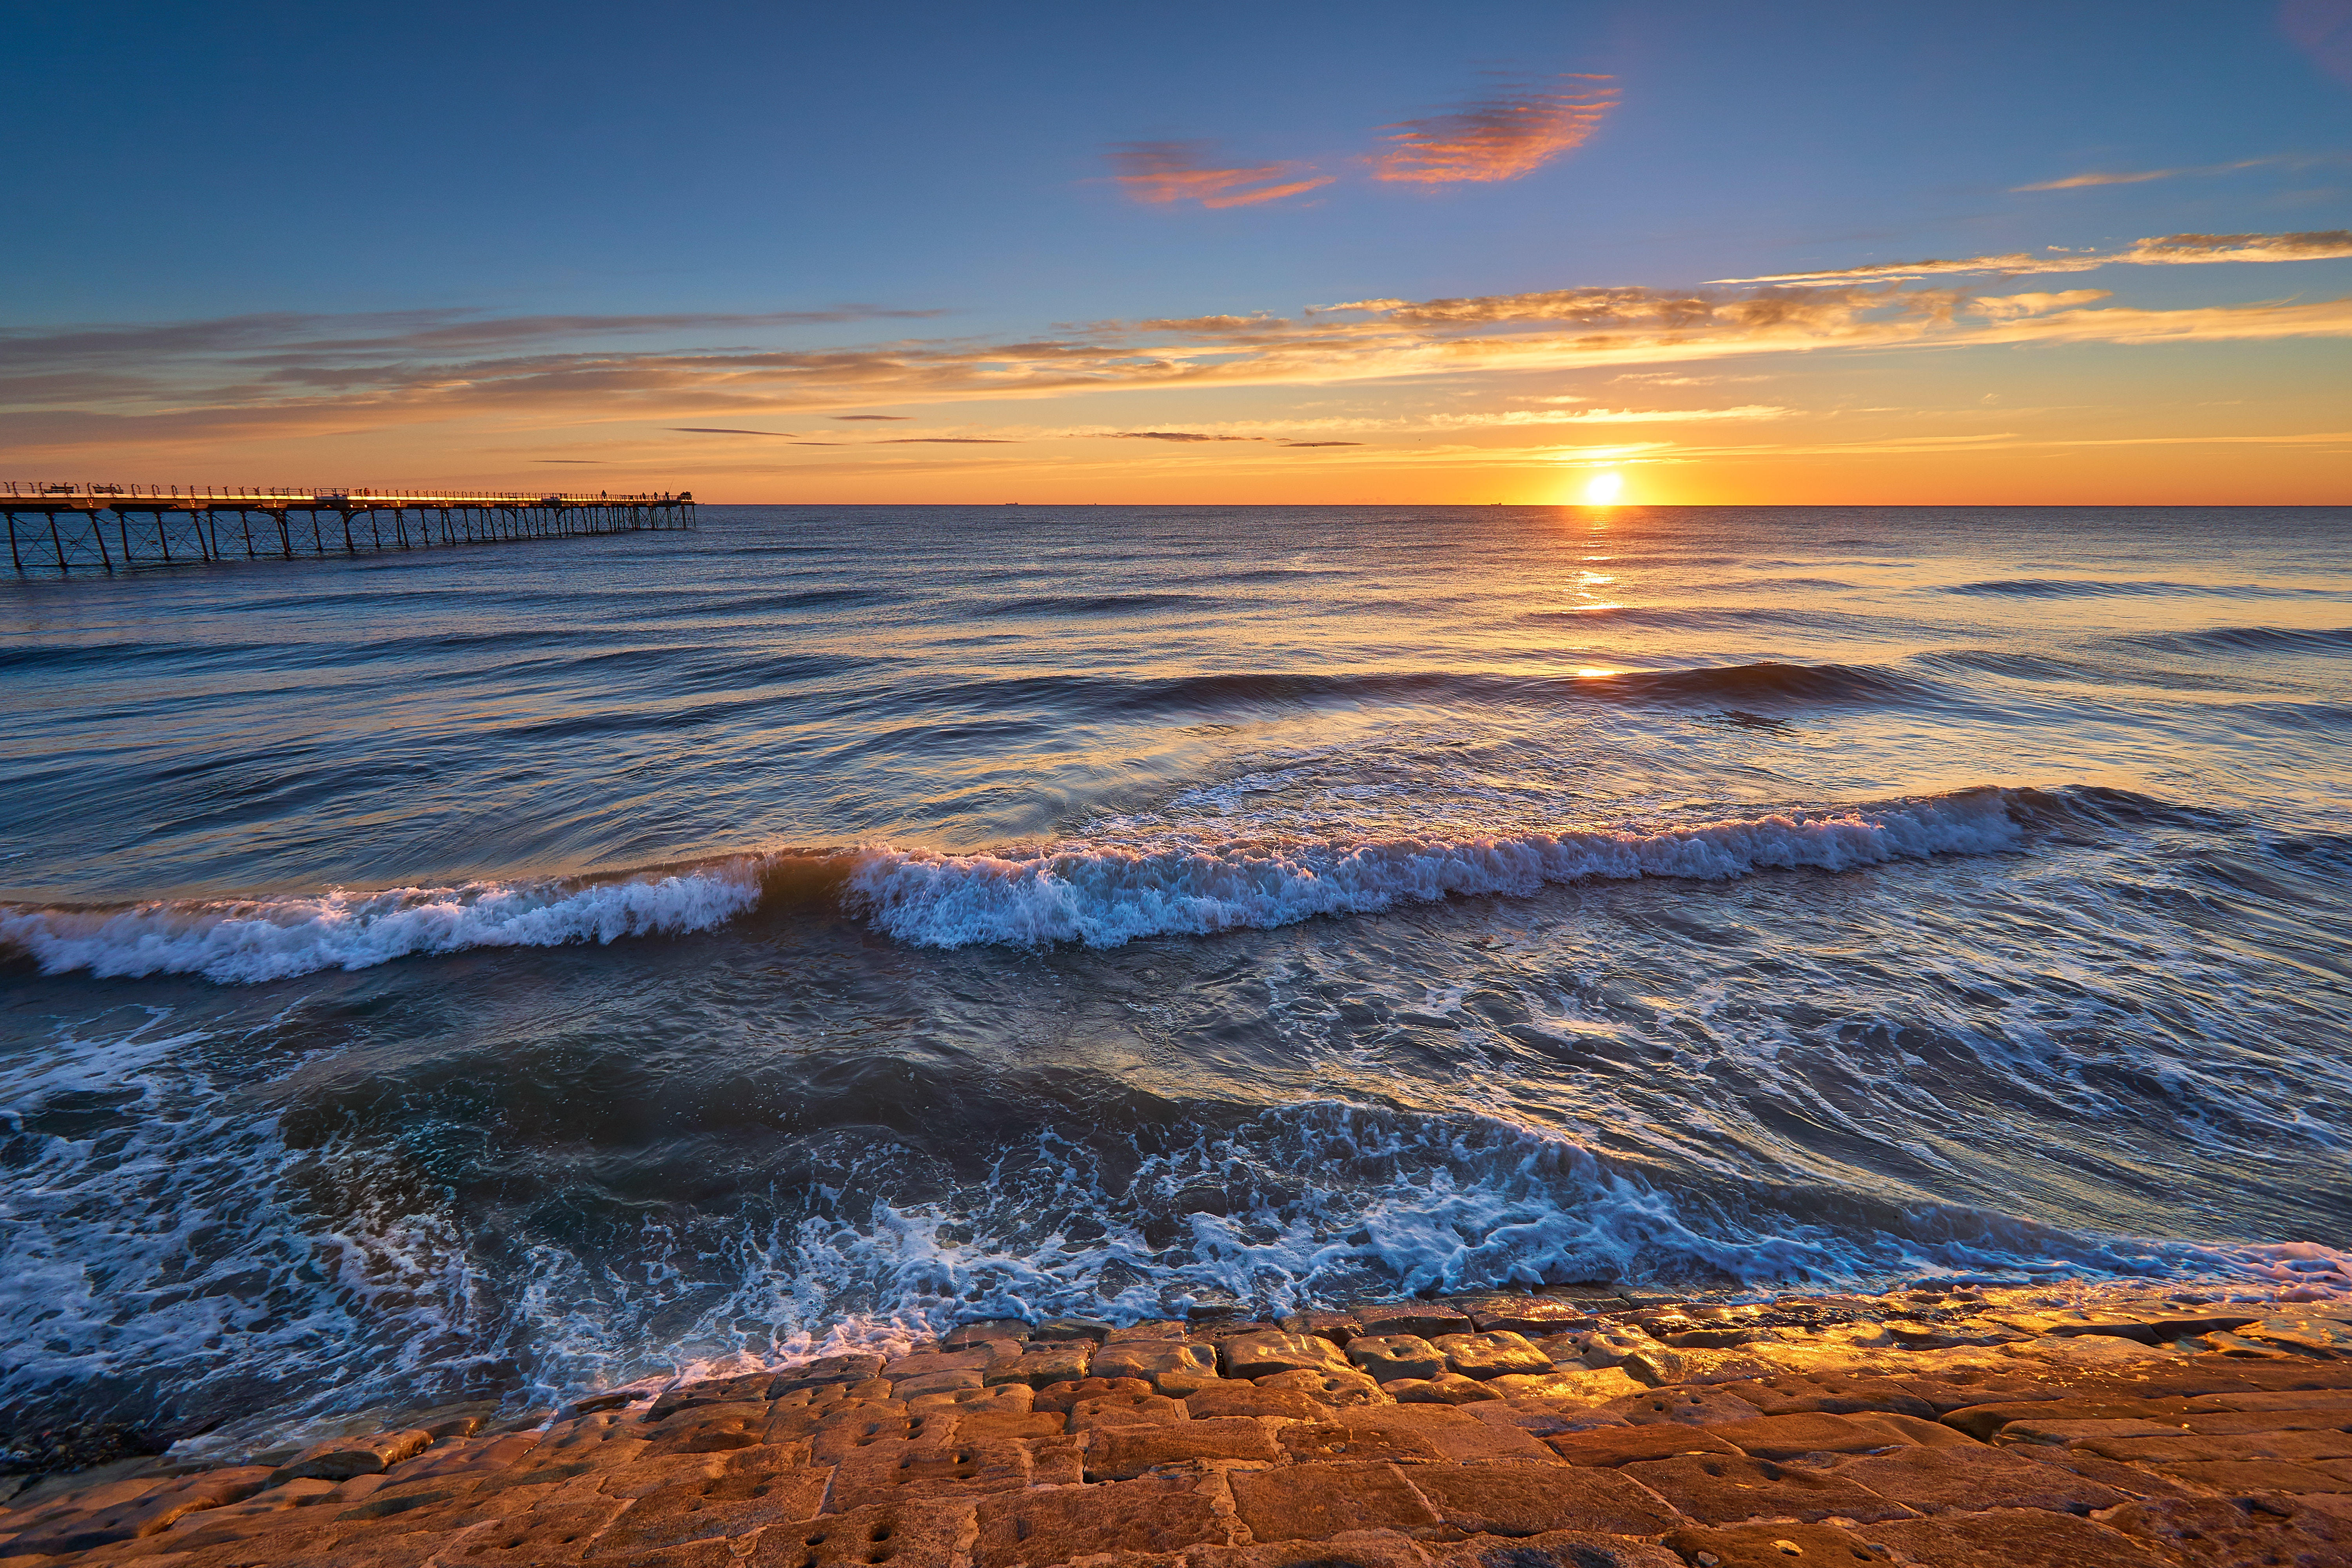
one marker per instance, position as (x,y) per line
(1585,1430)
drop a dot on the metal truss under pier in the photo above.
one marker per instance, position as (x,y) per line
(103,528)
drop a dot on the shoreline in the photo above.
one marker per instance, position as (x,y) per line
(1579,1426)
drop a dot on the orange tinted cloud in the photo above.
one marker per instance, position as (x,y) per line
(2164,251)
(1512,131)
(1165,172)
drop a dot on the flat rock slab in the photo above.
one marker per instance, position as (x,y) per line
(1527,1499)
(1313,1501)
(1727,1489)
(2016,1538)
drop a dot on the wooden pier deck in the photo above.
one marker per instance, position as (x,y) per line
(62,528)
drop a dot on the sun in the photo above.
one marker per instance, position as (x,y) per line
(1603,488)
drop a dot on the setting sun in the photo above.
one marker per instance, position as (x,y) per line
(1604,489)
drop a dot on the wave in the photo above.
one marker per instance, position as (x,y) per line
(1765,682)
(2084,588)
(249,941)
(1109,895)
(1098,895)
(1090,604)
(2321,640)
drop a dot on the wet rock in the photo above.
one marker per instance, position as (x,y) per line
(2323,1336)
(336,1458)
(989,1330)
(1056,1330)
(1336,1327)
(1267,1354)
(826,1369)
(1486,1355)
(1387,1357)
(1532,1316)
(1061,1361)
(1417,1319)
(1175,1368)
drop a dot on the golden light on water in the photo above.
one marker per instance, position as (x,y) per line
(1603,488)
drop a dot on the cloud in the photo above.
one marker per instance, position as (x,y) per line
(716,430)
(947,441)
(1610,415)
(276,335)
(1514,129)
(2142,176)
(2004,306)
(1322,443)
(889,416)
(1174,436)
(2167,250)
(1164,171)
(207,389)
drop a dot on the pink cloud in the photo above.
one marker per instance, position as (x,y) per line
(1512,131)
(1165,172)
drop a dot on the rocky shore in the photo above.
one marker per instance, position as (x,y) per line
(1577,1427)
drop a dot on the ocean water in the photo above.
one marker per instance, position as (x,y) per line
(506,970)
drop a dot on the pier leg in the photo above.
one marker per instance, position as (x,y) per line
(245,521)
(163,539)
(122,534)
(57,544)
(347,548)
(98,531)
(285,537)
(14,559)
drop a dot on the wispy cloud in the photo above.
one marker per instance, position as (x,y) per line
(1174,436)
(2167,250)
(2142,176)
(386,333)
(893,417)
(716,430)
(220,382)
(1516,127)
(1608,416)
(1165,172)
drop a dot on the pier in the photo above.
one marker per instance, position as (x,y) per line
(63,527)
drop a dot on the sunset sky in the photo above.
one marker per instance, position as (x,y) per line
(1726,253)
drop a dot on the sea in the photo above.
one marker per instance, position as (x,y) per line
(508,971)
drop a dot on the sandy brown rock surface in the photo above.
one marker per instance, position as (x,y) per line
(1566,1430)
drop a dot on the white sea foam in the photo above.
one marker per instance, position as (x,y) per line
(274,938)
(1105,895)
(1099,894)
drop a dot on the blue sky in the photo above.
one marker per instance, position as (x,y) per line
(184,164)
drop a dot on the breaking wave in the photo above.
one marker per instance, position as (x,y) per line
(1100,895)
(1103,896)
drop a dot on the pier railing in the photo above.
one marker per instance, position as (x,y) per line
(59,526)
